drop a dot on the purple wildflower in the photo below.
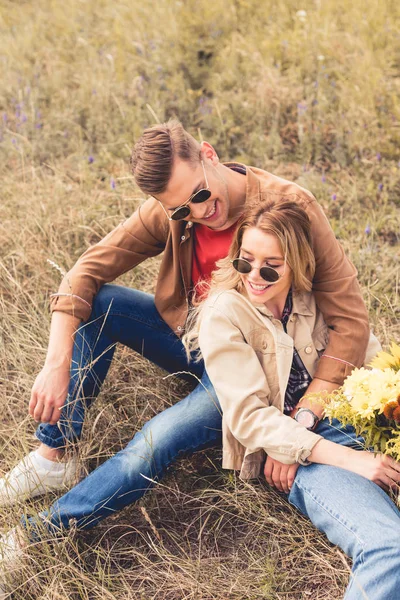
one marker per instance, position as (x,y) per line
(367,230)
(334,196)
(378,156)
(323,179)
(380,187)
(90,159)
(112,183)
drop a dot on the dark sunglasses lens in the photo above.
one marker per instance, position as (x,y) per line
(241,265)
(180,213)
(201,196)
(269,274)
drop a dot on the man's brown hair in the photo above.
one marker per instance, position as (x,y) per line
(154,153)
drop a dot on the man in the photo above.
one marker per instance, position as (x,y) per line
(195,205)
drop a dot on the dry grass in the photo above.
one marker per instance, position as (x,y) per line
(313,99)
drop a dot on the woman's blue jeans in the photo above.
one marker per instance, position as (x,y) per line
(353,512)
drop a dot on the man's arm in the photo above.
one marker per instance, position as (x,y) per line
(339,298)
(51,385)
(141,236)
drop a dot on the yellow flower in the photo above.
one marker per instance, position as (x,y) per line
(395,350)
(362,406)
(384,360)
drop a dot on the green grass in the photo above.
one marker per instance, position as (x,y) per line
(313,98)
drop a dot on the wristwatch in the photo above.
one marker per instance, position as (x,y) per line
(307,418)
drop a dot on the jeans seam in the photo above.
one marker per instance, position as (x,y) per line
(334,516)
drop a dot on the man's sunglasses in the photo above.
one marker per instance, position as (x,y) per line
(269,274)
(183,211)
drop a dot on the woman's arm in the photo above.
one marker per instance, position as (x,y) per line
(242,388)
(379,468)
(382,470)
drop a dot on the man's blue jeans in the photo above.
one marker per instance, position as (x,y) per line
(352,511)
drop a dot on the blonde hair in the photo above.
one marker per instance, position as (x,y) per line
(286,220)
(155,151)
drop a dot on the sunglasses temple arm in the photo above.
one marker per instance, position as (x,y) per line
(205,174)
(166,214)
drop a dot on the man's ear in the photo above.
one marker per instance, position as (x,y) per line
(208,152)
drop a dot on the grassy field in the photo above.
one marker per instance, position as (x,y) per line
(309,91)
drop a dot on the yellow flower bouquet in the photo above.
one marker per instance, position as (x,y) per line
(369,400)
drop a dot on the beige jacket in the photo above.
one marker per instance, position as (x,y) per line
(148,233)
(248,357)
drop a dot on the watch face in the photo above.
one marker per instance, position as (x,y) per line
(305,418)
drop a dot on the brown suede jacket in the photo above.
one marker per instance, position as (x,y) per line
(148,233)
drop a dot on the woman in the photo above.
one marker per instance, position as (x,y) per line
(261,337)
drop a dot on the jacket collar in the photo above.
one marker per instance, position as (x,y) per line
(301,305)
(252,181)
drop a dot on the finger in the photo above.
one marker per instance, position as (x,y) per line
(37,413)
(392,474)
(384,482)
(392,463)
(32,403)
(55,416)
(276,477)
(46,413)
(291,475)
(284,479)
(268,470)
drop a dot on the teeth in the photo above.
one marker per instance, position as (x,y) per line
(212,211)
(258,287)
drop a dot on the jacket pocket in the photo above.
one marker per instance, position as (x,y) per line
(261,341)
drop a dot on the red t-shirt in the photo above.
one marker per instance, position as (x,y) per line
(208,247)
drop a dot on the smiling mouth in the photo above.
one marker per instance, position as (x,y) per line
(260,287)
(212,211)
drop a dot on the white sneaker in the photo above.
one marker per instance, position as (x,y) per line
(11,560)
(34,476)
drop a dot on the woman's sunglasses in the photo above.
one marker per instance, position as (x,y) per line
(183,211)
(269,274)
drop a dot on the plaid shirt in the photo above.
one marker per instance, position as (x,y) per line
(299,378)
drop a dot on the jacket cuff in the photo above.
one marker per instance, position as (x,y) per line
(72,305)
(300,450)
(333,369)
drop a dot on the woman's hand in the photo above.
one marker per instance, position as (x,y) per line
(280,475)
(49,393)
(379,468)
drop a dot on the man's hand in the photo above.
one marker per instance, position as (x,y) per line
(280,475)
(50,389)
(49,393)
